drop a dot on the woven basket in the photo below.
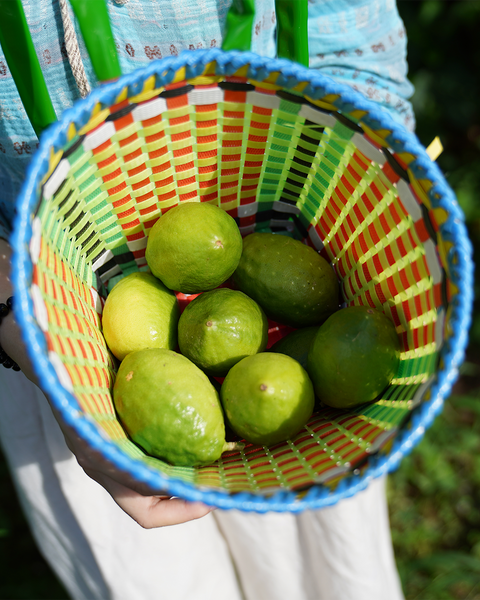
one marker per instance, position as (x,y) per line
(280,148)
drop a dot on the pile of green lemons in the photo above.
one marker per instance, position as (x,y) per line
(185,375)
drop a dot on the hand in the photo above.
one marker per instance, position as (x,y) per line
(134,498)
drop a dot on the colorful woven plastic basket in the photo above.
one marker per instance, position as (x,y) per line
(281,148)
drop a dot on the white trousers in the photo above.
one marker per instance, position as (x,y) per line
(98,552)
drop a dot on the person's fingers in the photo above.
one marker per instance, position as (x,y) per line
(150,511)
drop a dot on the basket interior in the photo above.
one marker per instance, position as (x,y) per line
(276,160)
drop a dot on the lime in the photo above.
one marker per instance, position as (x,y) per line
(267,398)
(353,357)
(140,312)
(168,407)
(292,283)
(221,327)
(194,247)
(296,344)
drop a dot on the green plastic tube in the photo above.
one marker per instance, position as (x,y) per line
(239,26)
(24,66)
(92,16)
(292,30)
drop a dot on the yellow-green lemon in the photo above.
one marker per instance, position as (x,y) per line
(219,328)
(291,281)
(168,406)
(194,247)
(140,312)
(267,398)
(353,357)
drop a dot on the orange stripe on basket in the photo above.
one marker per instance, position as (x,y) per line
(102,147)
(122,201)
(422,230)
(158,153)
(107,161)
(128,140)
(128,157)
(205,108)
(131,224)
(177,101)
(390,173)
(112,175)
(116,189)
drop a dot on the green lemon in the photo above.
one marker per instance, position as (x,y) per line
(292,283)
(140,312)
(353,357)
(168,407)
(296,344)
(194,247)
(221,327)
(267,398)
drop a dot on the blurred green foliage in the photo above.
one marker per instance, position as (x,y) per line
(434,497)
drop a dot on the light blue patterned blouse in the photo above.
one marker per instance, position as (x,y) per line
(359,42)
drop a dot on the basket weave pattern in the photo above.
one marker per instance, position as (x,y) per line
(278,152)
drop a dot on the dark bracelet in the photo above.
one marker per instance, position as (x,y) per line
(5,360)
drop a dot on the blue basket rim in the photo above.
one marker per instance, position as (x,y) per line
(441,195)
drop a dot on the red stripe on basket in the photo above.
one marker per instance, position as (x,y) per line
(384,223)
(128,140)
(122,201)
(361,160)
(260,110)
(154,137)
(104,163)
(376,192)
(354,173)
(257,138)
(140,184)
(347,184)
(159,152)
(373,234)
(206,139)
(259,125)
(187,196)
(184,167)
(379,293)
(135,236)
(363,243)
(232,128)
(117,188)
(209,197)
(183,135)
(200,108)
(390,173)
(131,224)
(404,279)
(137,170)
(392,286)
(235,96)
(112,175)
(377,264)
(416,271)
(186,181)
(179,120)
(401,247)
(209,183)
(146,211)
(421,230)
(163,167)
(102,147)
(358,213)
(177,101)
(255,151)
(366,272)
(132,155)
(249,200)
